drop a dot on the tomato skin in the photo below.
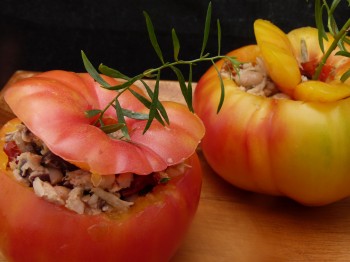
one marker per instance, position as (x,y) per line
(60,100)
(279,147)
(284,147)
(33,229)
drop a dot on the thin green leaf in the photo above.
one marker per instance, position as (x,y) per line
(141,98)
(183,87)
(148,104)
(222,88)
(92,112)
(134,115)
(319,24)
(164,180)
(219,36)
(189,87)
(333,28)
(112,128)
(331,23)
(343,53)
(345,76)
(112,72)
(206,29)
(333,7)
(153,108)
(337,39)
(121,118)
(126,84)
(156,108)
(341,43)
(176,45)
(160,106)
(234,62)
(92,71)
(152,37)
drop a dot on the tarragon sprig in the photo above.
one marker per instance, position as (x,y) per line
(151,100)
(340,35)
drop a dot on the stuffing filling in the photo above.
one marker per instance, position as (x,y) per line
(62,183)
(253,78)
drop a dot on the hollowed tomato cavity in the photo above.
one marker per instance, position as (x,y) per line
(62,183)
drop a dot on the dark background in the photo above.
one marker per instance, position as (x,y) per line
(42,35)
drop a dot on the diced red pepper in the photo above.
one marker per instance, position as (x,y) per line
(11,150)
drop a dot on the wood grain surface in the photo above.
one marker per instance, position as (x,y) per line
(236,225)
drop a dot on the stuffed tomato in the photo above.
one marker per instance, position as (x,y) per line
(71,192)
(279,132)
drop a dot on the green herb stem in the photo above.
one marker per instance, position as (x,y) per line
(340,37)
(150,101)
(337,38)
(182,62)
(103,111)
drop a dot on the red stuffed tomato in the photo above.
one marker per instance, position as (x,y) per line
(70,192)
(278,131)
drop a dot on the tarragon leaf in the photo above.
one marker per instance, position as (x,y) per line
(206,29)
(92,71)
(126,84)
(160,106)
(189,86)
(153,109)
(164,180)
(219,36)
(184,90)
(152,37)
(343,53)
(152,103)
(235,63)
(112,72)
(148,104)
(112,128)
(121,118)
(319,23)
(134,115)
(222,88)
(141,98)
(92,112)
(345,76)
(176,45)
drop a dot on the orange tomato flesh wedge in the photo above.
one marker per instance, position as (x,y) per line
(317,91)
(282,55)
(267,32)
(278,55)
(282,67)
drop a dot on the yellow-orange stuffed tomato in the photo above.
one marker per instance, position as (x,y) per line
(278,131)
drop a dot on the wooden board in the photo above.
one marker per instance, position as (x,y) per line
(235,225)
